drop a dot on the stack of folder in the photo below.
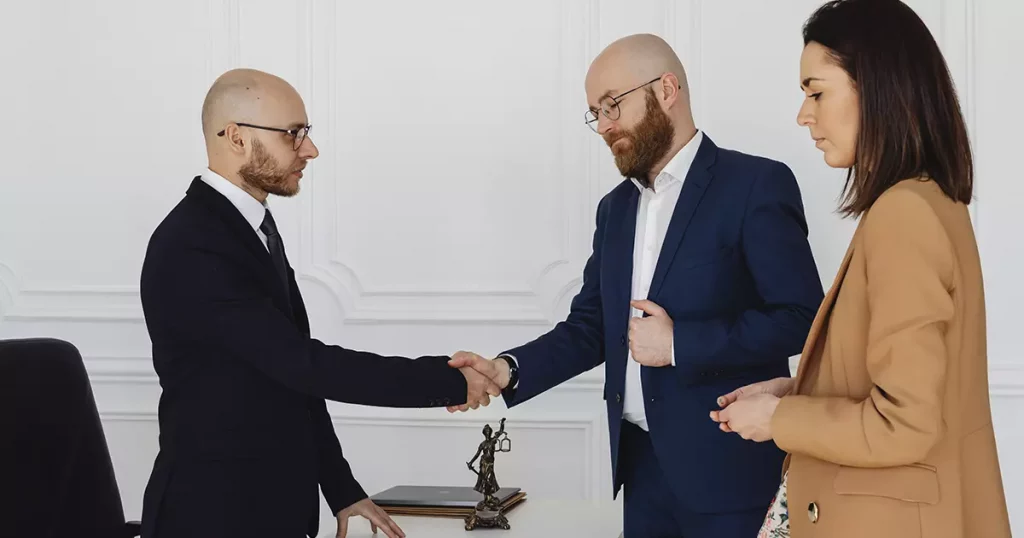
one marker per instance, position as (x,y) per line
(440,501)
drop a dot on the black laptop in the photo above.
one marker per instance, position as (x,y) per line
(437,496)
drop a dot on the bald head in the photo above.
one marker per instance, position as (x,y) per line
(247,96)
(640,56)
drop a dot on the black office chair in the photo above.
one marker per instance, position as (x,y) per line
(56,477)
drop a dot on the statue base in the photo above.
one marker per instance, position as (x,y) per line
(487,515)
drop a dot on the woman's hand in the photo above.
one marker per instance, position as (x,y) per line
(751,419)
(779,387)
(749,416)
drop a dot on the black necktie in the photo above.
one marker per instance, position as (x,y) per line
(276,247)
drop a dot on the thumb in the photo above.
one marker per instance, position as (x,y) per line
(460,360)
(731,397)
(649,307)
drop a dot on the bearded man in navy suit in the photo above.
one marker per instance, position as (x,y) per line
(701,280)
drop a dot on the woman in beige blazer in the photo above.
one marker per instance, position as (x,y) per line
(887,423)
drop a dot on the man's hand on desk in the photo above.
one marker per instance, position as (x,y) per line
(375,514)
(495,374)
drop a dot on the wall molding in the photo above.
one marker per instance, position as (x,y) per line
(119,304)
(529,302)
(589,425)
(8,289)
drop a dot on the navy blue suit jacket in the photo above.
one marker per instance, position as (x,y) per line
(245,437)
(737,277)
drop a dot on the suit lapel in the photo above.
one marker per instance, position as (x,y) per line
(228,213)
(619,255)
(694,187)
(820,320)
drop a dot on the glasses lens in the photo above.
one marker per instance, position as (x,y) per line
(300,135)
(591,119)
(610,109)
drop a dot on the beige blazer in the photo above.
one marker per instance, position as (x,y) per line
(888,426)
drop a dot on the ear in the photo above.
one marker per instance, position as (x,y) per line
(236,140)
(670,89)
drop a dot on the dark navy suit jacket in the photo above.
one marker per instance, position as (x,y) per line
(245,437)
(737,277)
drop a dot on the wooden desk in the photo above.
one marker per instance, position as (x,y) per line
(532,519)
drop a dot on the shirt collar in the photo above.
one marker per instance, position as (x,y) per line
(678,166)
(252,210)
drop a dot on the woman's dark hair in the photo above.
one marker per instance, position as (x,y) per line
(910,119)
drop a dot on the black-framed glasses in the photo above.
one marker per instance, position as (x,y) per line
(298,133)
(610,106)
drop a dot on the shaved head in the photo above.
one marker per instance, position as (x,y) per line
(250,124)
(640,56)
(244,96)
(639,102)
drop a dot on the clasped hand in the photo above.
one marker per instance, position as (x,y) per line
(480,382)
(748,410)
(491,375)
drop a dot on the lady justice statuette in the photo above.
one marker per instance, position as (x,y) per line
(488,511)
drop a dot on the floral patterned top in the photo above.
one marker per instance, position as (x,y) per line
(776,522)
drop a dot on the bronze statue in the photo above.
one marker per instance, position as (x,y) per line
(488,511)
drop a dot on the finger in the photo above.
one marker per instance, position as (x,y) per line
(342,528)
(724,415)
(493,389)
(649,307)
(391,523)
(373,527)
(382,522)
(727,399)
(725,427)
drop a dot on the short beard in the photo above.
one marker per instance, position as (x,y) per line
(264,173)
(650,141)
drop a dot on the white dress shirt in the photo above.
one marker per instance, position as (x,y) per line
(252,210)
(652,218)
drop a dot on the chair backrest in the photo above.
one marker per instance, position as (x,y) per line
(56,476)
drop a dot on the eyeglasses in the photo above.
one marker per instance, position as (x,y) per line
(298,133)
(610,106)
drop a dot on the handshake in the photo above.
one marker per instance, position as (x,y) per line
(484,378)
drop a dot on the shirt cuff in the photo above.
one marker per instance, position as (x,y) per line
(673,350)
(514,361)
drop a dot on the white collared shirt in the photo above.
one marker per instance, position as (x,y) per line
(252,210)
(652,218)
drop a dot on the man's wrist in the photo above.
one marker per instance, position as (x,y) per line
(509,369)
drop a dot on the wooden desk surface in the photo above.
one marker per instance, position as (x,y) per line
(532,519)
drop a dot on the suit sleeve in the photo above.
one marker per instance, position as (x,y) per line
(196,296)
(909,277)
(574,345)
(339,485)
(779,259)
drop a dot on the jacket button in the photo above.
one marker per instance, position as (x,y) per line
(618,397)
(812,512)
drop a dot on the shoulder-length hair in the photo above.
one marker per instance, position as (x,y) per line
(911,124)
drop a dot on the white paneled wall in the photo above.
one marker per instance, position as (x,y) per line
(453,201)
